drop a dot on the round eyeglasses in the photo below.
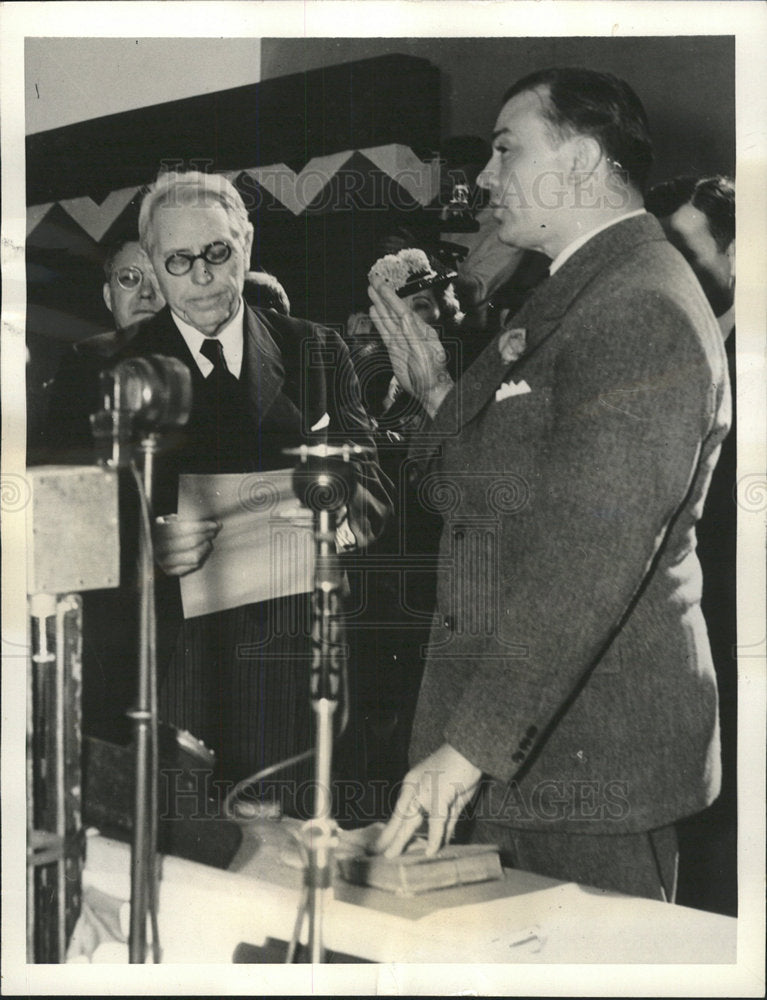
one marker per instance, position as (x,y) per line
(214,253)
(129,278)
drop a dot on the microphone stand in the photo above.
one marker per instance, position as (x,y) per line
(323,480)
(153,391)
(144,716)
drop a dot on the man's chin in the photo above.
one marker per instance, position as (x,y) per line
(143,316)
(508,234)
(207,321)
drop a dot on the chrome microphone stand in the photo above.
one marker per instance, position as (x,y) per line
(144,717)
(323,480)
(141,396)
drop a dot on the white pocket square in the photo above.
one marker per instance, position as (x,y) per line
(511,389)
(322,423)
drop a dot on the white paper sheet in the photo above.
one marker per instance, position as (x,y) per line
(265,548)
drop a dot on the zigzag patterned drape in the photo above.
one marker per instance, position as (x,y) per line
(327,162)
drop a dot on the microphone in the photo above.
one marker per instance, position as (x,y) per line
(141,395)
(324,480)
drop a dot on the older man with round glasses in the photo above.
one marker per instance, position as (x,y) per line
(239,679)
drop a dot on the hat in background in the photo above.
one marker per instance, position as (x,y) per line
(411,271)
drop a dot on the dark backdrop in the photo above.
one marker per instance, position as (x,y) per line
(687,84)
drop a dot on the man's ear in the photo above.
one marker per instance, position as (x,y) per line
(731,260)
(585,156)
(107,291)
(248,245)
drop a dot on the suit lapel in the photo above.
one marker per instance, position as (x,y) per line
(160,335)
(262,364)
(305,357)
(478,384)
(541,316)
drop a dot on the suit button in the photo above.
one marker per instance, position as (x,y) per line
(518,757)
(532,732)
(449,622)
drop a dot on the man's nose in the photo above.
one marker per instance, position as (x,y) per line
(486,178)
(201,273)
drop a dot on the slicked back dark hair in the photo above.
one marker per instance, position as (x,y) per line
(584,102)
(666,197)
(713,196)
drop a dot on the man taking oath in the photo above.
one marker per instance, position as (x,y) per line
(569,693)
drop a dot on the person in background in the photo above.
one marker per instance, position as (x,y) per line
(427,286)
(698,216)
(569,695)
(398,605)
(131,292)
(110,621)
(131,295)
(264,291)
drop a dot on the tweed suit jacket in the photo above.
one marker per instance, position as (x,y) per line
(568,656)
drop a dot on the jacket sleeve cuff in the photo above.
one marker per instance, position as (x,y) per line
(484,752)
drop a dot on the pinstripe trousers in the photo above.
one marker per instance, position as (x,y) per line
(239,680)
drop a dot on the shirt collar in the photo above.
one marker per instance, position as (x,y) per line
(231,338)
(570,249)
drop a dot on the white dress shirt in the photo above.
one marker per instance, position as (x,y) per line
(231,338)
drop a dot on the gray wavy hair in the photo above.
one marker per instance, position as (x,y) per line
(192,187)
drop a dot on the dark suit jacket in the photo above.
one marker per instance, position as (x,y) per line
(569,657)
(293,373)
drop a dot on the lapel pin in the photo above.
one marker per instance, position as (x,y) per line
(512,343)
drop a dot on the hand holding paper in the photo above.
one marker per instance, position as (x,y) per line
(264,545)
(182,546)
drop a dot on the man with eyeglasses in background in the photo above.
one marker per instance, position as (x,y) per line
(132,295)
